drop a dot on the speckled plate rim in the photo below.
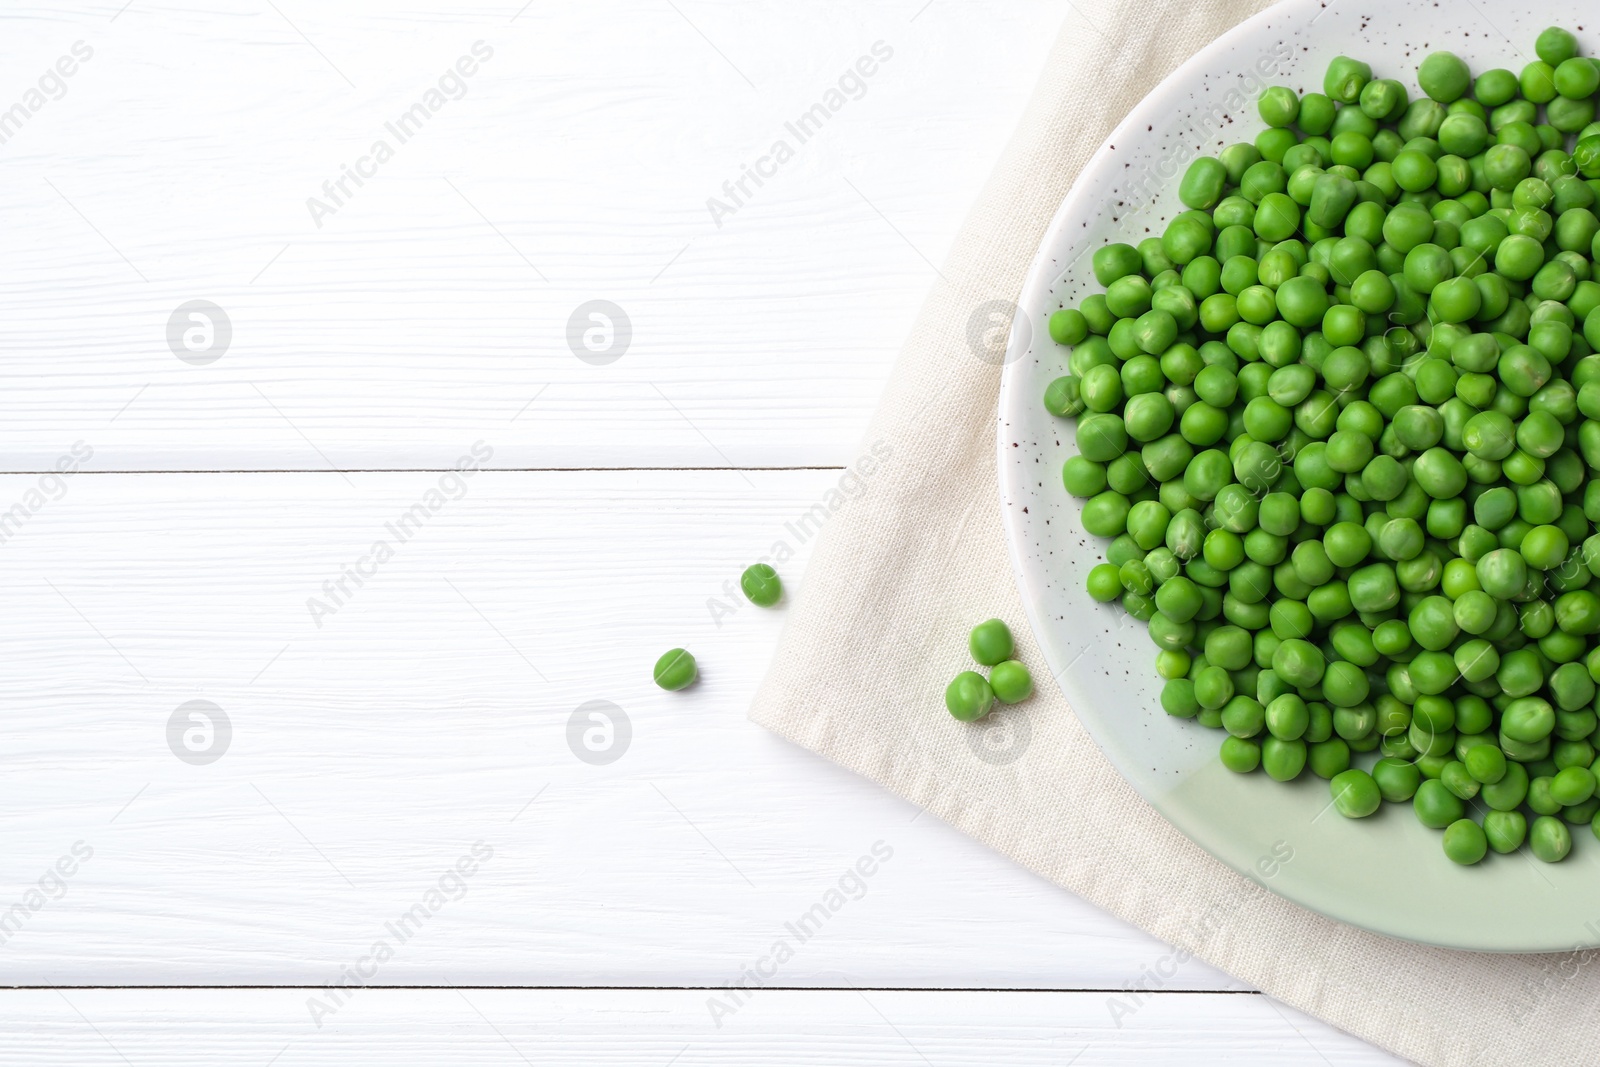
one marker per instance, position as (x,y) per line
(1385,874)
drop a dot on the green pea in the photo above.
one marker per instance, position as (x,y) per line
(1486,764)
(1011,682)
(1178,699)
(1187,236)
(1544,547)
(1401,539)
(1348,451)
(1203,183)
(1317,506)
(991,642)
(1064,397)
(1473,714)
(1573,785)
(1505,831)
(1459,780)
(1277,217)
(675,670)
(1444,77)
(1279,106)
(1320,730)
(1229,647)
(1344,80)
(1465,842)
(1463,134)
(1155,331)
(1239,755)
(1433,622)
(1106,514)
(1527,719)
(1128,475)
(1505,165)
(1554,46)
(1083,477)
(1213,687)
(968,697)
(1355,794)
(1549,839)
(1113,261)
(1279,514)
(1571,685)
(1502,573)
(1373,588)
(1287,717)
(1345,544)
(1101,389)
(1391,638)
(761,584)
(1101,437)
(1397,779)
(1172,664)
(1068,326)
(1166,457)
(1435,806)
(1539,798)
(1147,523)
(1520,673)
(1283,759)
(1148,416)
(1328,758)
(1344,685)
(1179,599)
(1243,716)
(1169,635)
(1098,315)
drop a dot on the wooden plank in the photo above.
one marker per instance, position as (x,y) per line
(652,1028)
(430,710)
(432,307)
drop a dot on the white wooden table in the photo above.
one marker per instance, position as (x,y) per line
(260,509)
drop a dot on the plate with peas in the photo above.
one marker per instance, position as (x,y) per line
(1300,464)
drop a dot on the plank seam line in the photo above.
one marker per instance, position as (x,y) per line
(667,989)
(414,470)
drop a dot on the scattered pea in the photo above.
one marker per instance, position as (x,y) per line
(761,584)
(675,670)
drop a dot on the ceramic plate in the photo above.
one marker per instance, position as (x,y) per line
(1386,873)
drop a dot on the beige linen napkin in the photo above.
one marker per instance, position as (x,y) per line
(917,555)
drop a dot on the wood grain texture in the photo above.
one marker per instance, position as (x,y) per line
(654,1028)
(432,709)
(432,305)
(427,713)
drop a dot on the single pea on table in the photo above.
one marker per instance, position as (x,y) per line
(1340,425)
(676,669)
(761,584)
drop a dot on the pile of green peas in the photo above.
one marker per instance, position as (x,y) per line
(1341,424)
(970,696)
